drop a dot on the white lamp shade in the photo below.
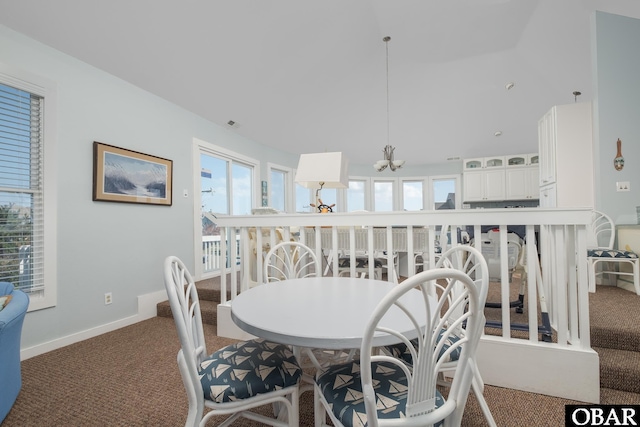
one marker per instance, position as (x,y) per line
(328,168)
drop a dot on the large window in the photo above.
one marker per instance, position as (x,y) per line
(303,198)
(413,195)
(443,190)
(383,196)
(27,218)
(280,185)
(226,183)
(277,192)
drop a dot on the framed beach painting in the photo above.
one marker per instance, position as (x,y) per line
(121,175)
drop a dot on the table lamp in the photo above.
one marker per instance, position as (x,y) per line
(322,170)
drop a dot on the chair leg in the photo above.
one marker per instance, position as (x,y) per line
(329,261)
(294,416)
(591,267)
(318,410)
(477,391)
(477,386)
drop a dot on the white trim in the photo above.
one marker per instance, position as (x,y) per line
(147,308)
(225,152)
(197,210)
(425,189)
(456,177)
(395,197)
(289,185)
(368,202)
(47,89)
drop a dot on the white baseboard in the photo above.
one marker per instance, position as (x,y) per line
(146,310)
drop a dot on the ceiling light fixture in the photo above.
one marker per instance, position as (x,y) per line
(388,150)
(576,94)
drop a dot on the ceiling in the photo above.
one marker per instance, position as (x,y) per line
(310,76)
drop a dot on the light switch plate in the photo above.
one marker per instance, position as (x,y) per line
(623,186)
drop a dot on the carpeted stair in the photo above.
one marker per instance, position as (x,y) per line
(209,295)
(615,335)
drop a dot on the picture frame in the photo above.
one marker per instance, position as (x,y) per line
(126,176)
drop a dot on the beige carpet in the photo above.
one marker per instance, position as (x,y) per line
(129,377)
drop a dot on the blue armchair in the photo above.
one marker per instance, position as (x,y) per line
(11,319)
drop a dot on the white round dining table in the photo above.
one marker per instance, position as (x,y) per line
(322,312)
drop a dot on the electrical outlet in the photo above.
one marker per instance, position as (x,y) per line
(623,186)
(108,298)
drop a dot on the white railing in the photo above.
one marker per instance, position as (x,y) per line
(552,256)
(211,255)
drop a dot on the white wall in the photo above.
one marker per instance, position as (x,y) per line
(111,247)
(617,103)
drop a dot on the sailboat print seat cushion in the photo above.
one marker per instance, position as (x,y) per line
(246,369)
(611,253)
(342,389)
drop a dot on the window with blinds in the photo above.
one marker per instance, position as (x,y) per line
(21,189)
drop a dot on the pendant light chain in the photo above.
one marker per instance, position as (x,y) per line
(389,160)
(386,42)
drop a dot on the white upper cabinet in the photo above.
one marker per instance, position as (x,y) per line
(499,178)
(521,160)
(484,163)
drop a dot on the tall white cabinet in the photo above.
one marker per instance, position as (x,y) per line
(565,147)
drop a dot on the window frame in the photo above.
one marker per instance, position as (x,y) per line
(395,197)
(455,177)
(425,190)
(289,193)
(367,193)
(203,147)
(46,89)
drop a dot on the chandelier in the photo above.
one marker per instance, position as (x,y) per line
(381,165)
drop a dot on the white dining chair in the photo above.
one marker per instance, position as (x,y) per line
(603,258)
(470,261)
(291,260)
(295,260)
(234,379)
(384,390)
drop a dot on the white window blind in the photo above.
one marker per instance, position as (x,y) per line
(21,189)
